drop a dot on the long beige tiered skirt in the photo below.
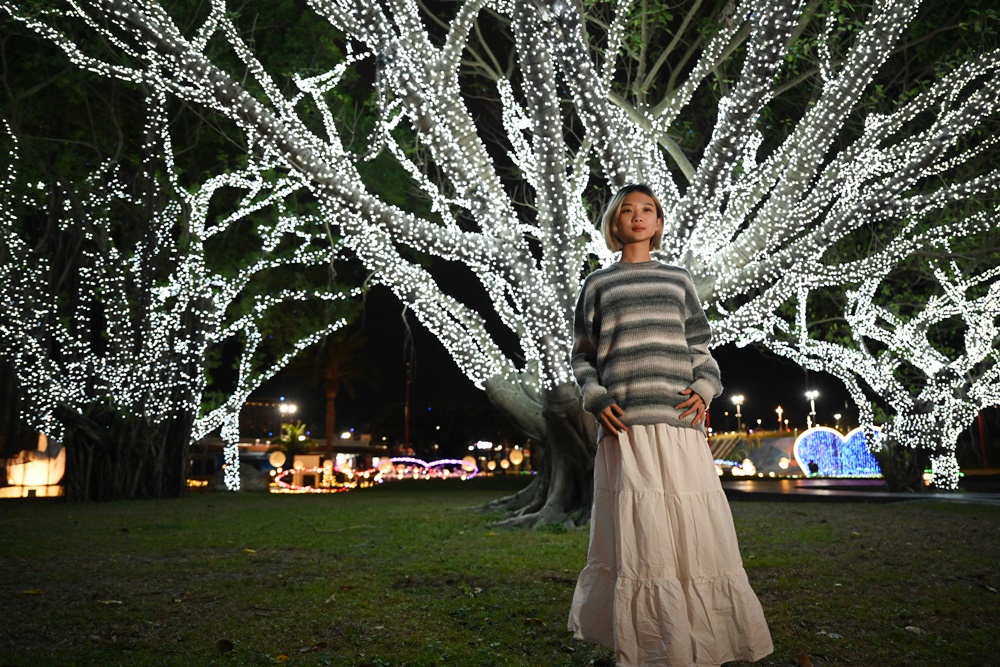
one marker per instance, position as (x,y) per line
(664,582)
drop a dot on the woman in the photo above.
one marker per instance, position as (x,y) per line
(664,582)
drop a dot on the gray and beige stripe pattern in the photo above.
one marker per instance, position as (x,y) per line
(640,337)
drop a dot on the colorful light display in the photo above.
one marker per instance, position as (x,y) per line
(396,468)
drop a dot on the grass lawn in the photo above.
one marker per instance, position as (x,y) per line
(411,574)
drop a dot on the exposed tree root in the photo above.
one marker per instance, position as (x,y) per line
(562,491)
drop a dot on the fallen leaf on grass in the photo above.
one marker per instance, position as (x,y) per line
(112,602)
(281,657)
(330,599)
(913,630)
(312,649)
(32,591)
(534,621)
(805,660)
(990,589)
(249,552)
(224,645)
(855,535)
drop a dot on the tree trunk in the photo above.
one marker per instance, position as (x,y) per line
(331,385)
(563,489)
(902,466)
(110,457)
(14,435)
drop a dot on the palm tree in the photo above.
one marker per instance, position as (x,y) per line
(339,361)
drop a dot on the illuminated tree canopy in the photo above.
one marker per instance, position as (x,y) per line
(135,330)
(767,207)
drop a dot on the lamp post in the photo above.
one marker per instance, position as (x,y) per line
(738,402)
(812,395)
(836,418)
(779,411)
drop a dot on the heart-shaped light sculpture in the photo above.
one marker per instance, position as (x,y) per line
(824,452)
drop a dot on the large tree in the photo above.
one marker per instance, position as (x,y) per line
(762,200)
(145,297)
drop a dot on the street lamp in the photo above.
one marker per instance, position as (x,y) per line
(779,411)
(738,402)
(286,410)
(812,395)
(836,418)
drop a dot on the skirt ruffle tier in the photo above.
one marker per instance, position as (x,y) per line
(664,583)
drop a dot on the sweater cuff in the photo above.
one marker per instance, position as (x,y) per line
(602,402)
(704,388)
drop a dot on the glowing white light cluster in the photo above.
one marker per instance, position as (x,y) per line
(755,230)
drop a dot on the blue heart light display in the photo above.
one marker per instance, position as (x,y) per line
(825,452)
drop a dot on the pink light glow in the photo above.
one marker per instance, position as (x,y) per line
(402,467)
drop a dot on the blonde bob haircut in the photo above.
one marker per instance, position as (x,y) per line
(610,216)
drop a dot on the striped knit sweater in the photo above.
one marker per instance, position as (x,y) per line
(640,337)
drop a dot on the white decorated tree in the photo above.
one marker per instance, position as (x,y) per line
(764,204)
(114,311)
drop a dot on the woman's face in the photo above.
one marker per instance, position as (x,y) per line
(637,220)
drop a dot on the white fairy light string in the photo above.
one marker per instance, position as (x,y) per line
(755,230)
